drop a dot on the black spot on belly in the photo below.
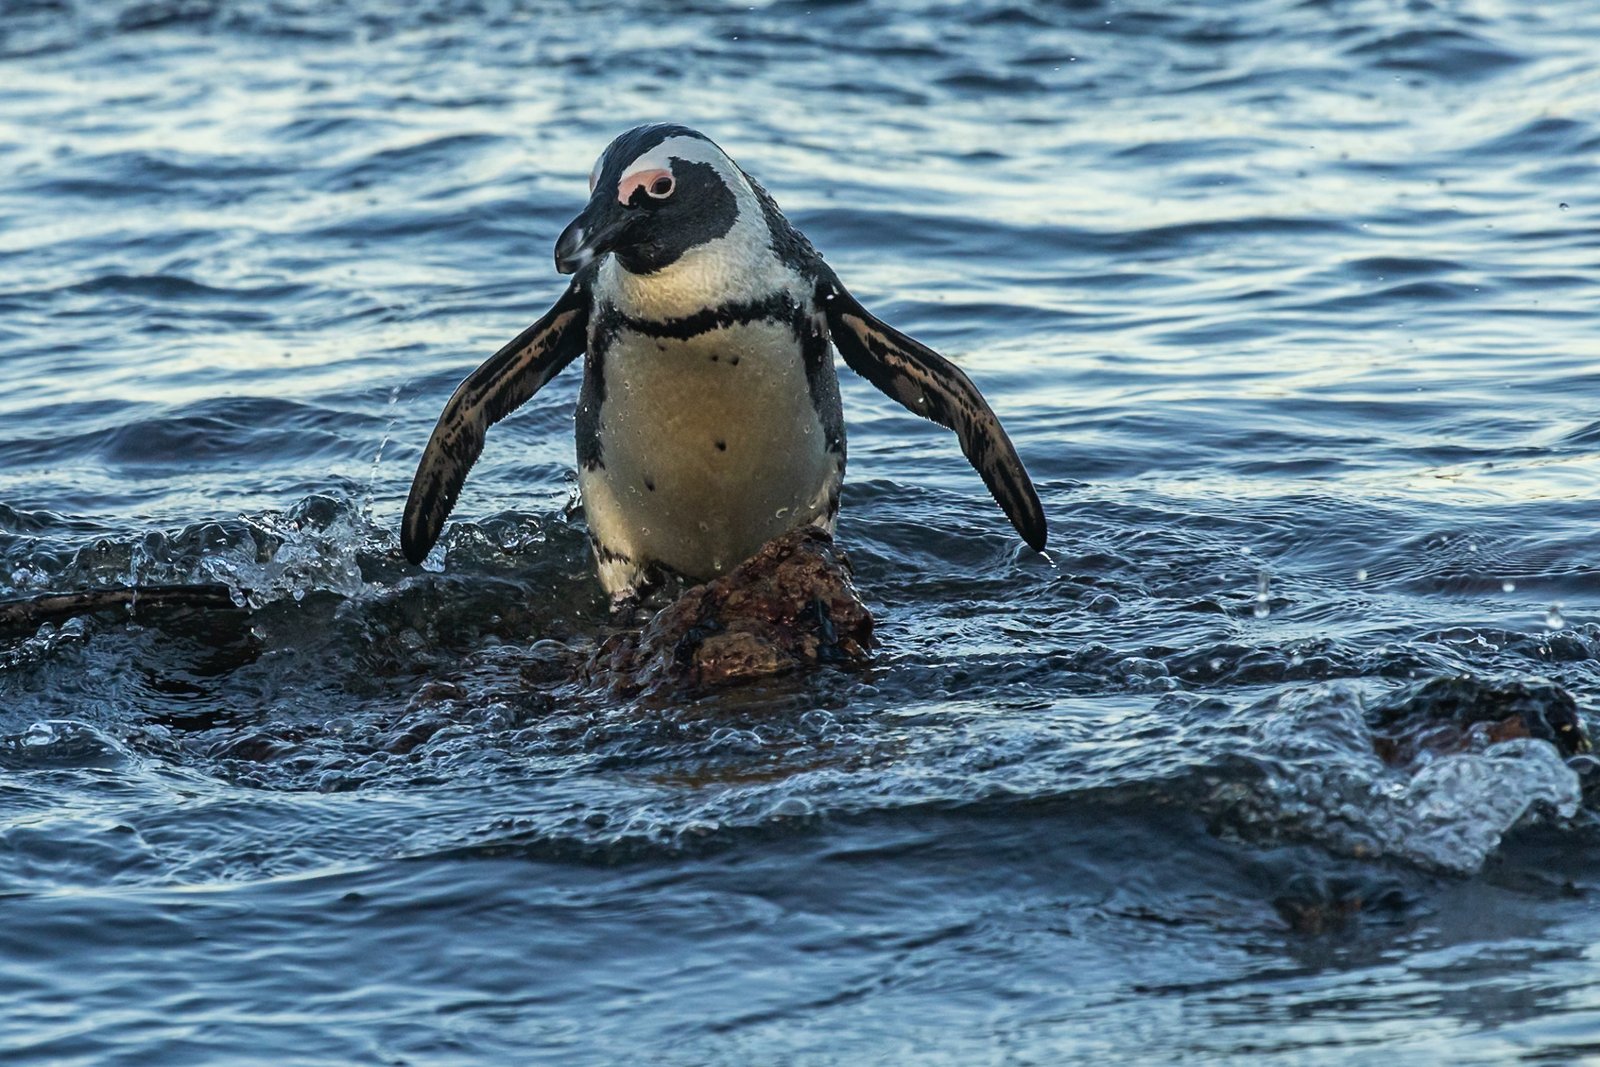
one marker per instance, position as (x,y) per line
(650,484)
(722,446)
(714,359)
(733,361)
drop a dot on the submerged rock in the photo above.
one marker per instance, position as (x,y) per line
(789,605)
(1444,715)
(1313,903)
(28,613)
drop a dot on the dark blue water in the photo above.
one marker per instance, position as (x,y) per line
(1289,305)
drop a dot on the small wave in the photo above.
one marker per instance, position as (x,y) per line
(176,288)
(1448,54)
(1543,138)
(1324,779)
(59,743)
(451,152)
(265,431)
(149,177)
(1381,267)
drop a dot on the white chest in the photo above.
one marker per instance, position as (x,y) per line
(709,447)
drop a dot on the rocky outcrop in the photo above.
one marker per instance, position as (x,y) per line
(791,604)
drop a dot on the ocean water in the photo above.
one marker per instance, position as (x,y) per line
(1289,305)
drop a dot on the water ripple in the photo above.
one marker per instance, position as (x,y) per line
(1287,305)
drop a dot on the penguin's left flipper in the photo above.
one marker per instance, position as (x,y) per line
(927,384)
(506,381)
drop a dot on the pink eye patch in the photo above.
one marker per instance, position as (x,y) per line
(646,180)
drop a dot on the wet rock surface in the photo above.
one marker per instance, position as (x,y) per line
(790,605)
(23,614)
(1466,713)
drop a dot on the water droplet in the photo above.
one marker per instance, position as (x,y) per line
(1361,574)
(1245,551)
(1553,618)
(1215,663)
(1263,606)
(1565,206)
(1508,587)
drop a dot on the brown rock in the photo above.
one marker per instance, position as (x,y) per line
(1446,715)
(789,605)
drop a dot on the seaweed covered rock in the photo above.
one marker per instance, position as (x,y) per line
(789,605)
(1444,715)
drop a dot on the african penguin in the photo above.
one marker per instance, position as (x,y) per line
(709,418)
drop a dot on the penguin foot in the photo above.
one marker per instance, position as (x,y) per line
(627,609)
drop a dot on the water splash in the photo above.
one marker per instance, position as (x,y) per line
(60,743)
(314,546)
(1323,779)
(377,455)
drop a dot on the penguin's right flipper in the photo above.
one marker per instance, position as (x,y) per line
(506,381)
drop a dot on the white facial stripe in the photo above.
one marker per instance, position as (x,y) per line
(689,149)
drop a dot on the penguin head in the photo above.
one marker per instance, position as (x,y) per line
(656,193)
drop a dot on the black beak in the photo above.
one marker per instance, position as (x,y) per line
(591,235)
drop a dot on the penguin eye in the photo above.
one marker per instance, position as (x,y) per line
(643,186)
